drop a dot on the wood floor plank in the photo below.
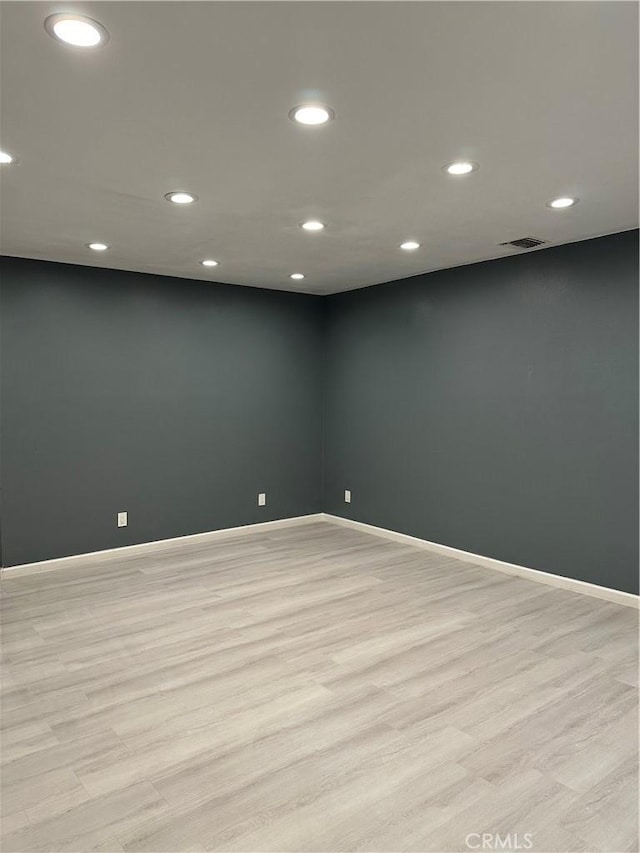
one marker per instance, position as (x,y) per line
(312,688)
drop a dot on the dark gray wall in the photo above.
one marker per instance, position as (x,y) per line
(494,408)
(175,400)
(491,407)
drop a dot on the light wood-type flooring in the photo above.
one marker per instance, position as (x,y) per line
(313,688)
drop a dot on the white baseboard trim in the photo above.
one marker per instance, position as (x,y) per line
(124,550)
(583,587)
(536,575)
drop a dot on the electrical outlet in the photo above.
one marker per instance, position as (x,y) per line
(347,496)
(123,519)
(262,499)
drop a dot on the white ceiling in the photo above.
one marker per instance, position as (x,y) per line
(195,96)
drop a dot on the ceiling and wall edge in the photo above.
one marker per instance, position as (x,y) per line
(322,294)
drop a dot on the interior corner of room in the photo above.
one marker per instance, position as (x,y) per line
(319,426)
(491,408)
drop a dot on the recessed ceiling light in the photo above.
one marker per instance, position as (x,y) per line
(461,167)
(76,30)
(181,197)
(313,225)
(209,263)
(409,245)
(7,158)
(561,203)
(296,275)
(311,114)
(97,247)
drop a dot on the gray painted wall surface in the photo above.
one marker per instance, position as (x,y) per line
(175,400)
(494,408)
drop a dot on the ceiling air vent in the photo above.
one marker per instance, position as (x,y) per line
(525,243)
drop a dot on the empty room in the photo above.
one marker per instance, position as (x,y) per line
(319,426)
